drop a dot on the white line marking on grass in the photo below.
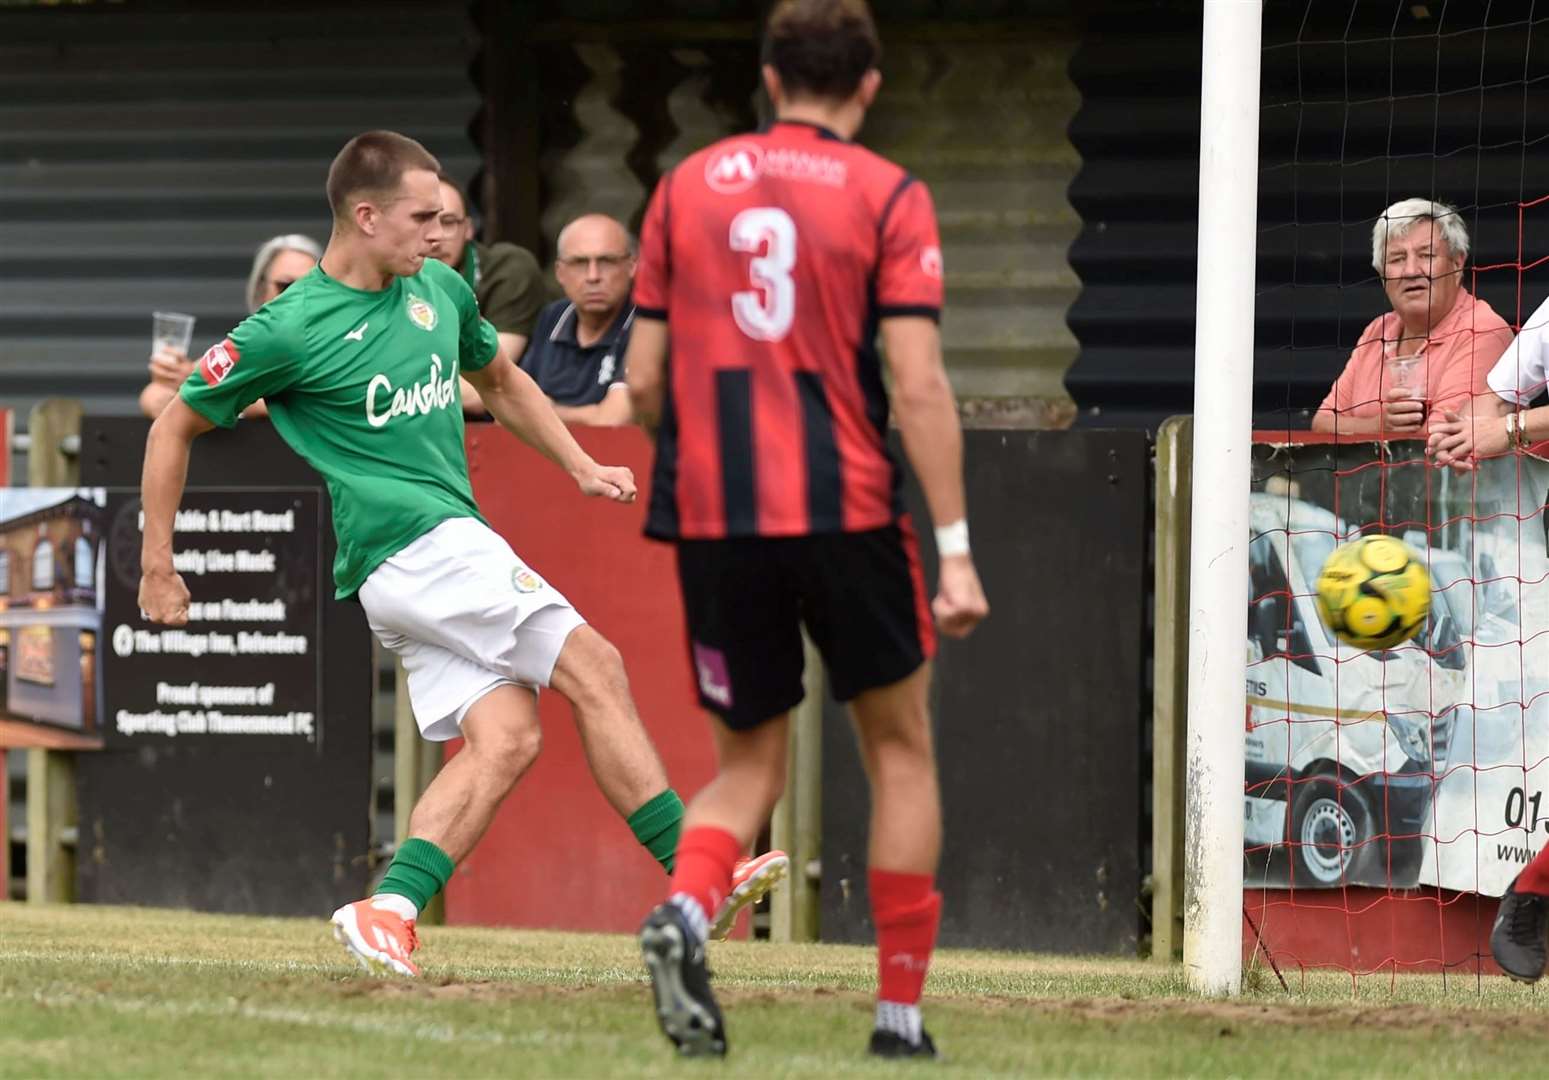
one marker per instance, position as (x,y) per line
(231,1008)
(131,960)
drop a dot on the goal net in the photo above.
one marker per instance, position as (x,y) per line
(1390,795)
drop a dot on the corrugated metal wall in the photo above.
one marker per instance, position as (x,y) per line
(1363,105)
(146,149)
(983,122)
(977,110)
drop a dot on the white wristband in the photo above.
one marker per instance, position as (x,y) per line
(952,539)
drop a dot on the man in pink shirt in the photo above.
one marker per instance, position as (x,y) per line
(1434,350)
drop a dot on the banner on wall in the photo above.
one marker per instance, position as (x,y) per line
(75,652)
(248,664)
(1424,764)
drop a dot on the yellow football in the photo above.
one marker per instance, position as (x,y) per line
(1374,592)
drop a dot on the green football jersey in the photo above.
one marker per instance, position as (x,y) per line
(364,386)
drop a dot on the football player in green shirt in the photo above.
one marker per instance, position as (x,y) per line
(359,363)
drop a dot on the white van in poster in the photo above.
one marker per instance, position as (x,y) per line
(1424,765)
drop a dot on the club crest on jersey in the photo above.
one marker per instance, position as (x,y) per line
(524,580)
(217,363)
(421,313)
(734,168)
(930,261)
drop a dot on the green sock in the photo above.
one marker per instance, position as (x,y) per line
(657,825)
(419,870)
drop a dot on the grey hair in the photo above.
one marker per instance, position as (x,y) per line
(266,253)
(1398,219)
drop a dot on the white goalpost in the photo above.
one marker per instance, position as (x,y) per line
(1218,568)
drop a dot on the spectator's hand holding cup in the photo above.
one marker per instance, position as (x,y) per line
(172,333)
(1402,411)
(170,367)
(1403,402)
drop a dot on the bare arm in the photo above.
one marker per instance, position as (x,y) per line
(163,596)
(154,398)
(473,404)
(1325,421)
(612,411)
(644,364)
(933,439)
(515,401)
(158,395)
(513,345)
(168,368)
(927,414)
(1401,415)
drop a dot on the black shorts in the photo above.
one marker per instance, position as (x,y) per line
(860,595)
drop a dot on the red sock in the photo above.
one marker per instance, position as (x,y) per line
(703,868)
(907,911)
(1535,878)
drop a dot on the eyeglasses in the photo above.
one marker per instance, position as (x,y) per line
(604,262)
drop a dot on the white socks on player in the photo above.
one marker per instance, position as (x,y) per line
(400,906)
(901,1020)
(698,921)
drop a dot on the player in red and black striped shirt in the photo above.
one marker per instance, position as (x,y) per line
(769,263)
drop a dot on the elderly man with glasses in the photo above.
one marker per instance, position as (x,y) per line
(576,355)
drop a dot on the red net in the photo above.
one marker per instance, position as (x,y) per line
(1391,795)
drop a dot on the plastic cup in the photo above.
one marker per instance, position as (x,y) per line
(1407,373)
(171,331)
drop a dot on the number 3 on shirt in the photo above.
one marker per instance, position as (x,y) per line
(765,312)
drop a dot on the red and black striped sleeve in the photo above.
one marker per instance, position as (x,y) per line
(653,272)
(909,267)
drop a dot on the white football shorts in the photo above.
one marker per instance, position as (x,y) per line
(465,615)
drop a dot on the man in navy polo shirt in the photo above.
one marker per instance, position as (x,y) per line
(576,355)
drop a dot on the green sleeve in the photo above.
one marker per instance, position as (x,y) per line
(477,341)
(511,289)
(263,356)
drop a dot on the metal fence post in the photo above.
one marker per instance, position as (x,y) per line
(5,829)
(797,826)
(51,821)
(51,809)
(1170,681)
(49,426)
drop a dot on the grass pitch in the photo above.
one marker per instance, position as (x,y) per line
(116,992)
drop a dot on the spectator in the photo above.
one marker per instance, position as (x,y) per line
(1505,418)
(577,355)
(278,263)
(1450,338)
(506,279)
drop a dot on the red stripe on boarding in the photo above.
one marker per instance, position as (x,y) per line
(924,624)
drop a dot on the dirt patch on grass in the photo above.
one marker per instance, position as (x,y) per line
(1229,1016)
(446,989)
(1232,1015)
